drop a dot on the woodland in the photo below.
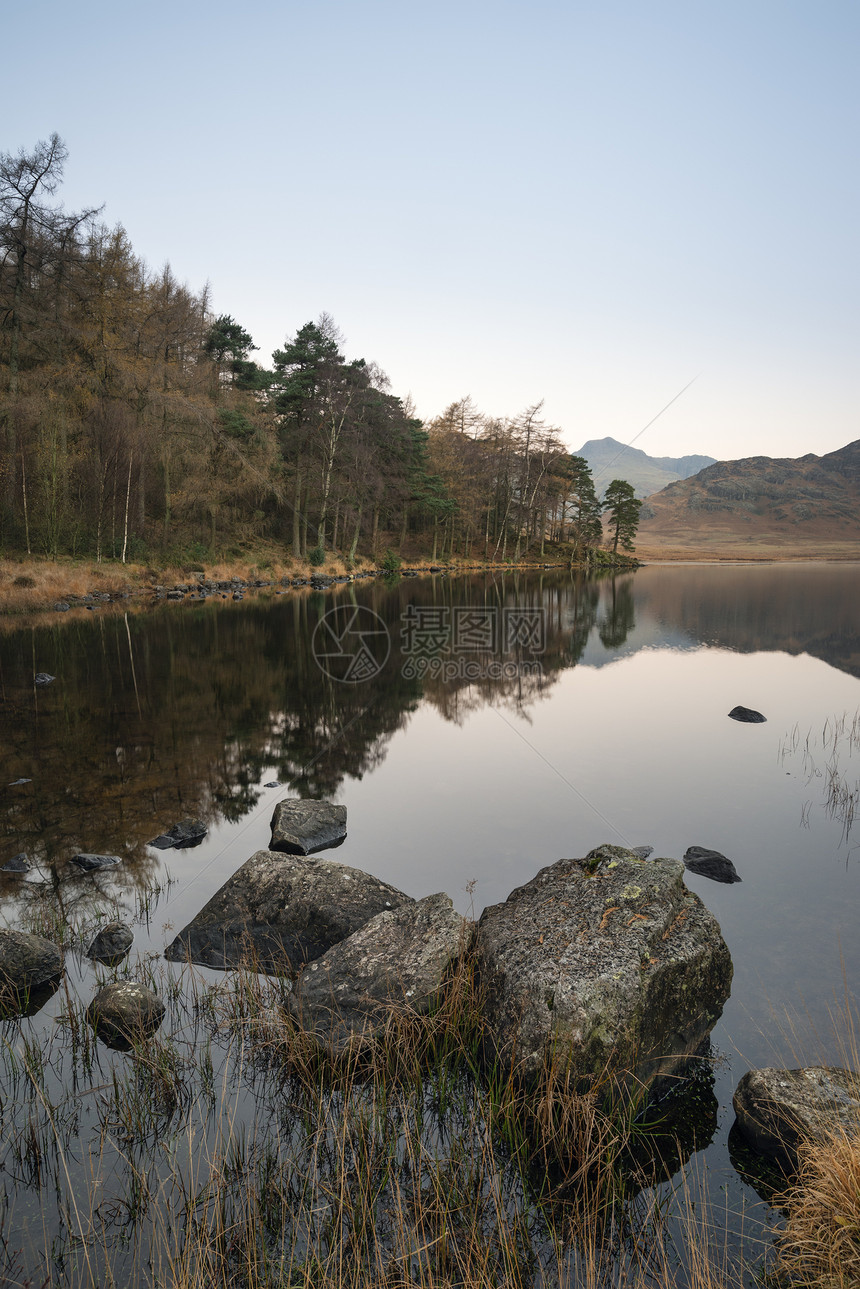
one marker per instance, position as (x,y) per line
(136,424)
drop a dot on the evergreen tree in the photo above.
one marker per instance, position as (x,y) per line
(623,508)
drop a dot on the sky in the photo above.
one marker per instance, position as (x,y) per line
(590,203)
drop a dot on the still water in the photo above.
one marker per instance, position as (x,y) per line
(497,723)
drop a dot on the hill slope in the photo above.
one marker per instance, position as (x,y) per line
(774,501)
(610,460)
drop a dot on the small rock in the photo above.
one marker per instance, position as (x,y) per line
(18,782)
(182,836)
(112,943)
(43,678)
(89,863)
(300,827)
(125,1013)
(748,715)
(273,783)
(17,864)
(642,851)
(777,1110)
(61,606)
(710,863)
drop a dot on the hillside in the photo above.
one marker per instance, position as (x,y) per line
(610,460)
(810,502)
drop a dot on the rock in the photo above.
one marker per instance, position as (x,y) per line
(399,958)
(89,863)
(273,783)
(125,1013)
(642,851)
(17,864)
(607,963)
(748,715)
(182,836)
(777,1110)
(112,943)
(18,782)
(710,863)
(61,606)
(43,678)
(27,961)
(282,911)
(300,827)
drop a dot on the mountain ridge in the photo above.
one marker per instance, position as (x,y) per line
(609,459)
(784,500)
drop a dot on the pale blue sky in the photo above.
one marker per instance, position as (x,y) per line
(589,203)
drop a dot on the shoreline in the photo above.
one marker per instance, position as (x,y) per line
(38,585)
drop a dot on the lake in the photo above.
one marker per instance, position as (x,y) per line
(477,728)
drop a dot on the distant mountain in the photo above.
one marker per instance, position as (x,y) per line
(767,499)
(610,460)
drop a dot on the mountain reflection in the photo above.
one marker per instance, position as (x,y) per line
(182,710)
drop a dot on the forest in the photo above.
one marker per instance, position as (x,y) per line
(136,424)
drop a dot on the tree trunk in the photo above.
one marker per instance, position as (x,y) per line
(127,500)
(354,547)
(297,516)
(24,499)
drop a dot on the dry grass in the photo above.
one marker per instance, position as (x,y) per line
(820,1246)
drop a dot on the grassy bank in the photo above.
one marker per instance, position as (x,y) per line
(34,584)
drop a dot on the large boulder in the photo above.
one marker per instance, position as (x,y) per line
(777,1110)
(398,959)
(27,961)
(281,911)
(125,1013)
(604,966)
(301,827)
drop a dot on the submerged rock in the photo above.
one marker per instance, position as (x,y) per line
(300,827)
(112,943)
(777,1110)
(281,911)
(748,715)
(182,836)
(710,863)
(90,863)
(27,961)
(125,1013)
(607,964)
(398,959)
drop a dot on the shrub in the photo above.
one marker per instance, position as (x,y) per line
(24,580)
(391,562)
(316,557)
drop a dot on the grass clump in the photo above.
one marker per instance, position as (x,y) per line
(820,1246)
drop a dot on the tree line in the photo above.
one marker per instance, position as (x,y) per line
(134,421)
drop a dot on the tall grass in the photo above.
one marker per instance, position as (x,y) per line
(234,1149)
